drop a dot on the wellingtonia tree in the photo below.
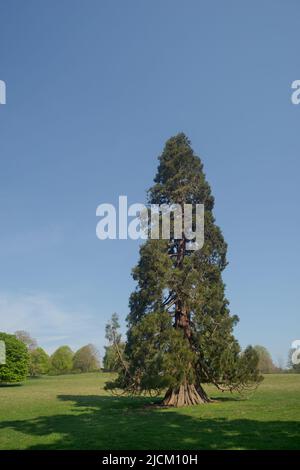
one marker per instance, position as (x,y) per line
(180,331)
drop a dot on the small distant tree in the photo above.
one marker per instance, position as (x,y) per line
(62,360)
(15,368)
(39,362)
(114,353)
(86,359)
(265,363)
(26,338)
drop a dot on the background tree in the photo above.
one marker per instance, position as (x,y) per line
(114,357)
(17,360)
(25,337)
(265,363)
(179,325)
(39,362)
(111,359)
(62,360)
(86,359)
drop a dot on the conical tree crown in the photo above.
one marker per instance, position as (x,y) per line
(180,177)
(180,328)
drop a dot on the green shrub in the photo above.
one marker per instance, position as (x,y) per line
(17,360)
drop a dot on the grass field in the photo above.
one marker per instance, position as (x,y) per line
(74,412)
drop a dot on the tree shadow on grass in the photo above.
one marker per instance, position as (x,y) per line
(228,398)
(8,385)
(104,422)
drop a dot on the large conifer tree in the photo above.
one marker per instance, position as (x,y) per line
(180,331)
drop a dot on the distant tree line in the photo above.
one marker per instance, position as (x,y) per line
(25,358)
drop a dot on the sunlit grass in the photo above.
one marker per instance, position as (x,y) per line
(74,412)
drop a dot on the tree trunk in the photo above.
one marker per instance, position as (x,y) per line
(182,319)
(185,395)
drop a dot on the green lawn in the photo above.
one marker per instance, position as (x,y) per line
(73,412)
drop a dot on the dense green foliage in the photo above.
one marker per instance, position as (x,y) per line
(74,412)
(180,330)
(39,362)
(15,369)
(62,360)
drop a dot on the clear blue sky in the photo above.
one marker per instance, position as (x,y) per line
(93,91)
